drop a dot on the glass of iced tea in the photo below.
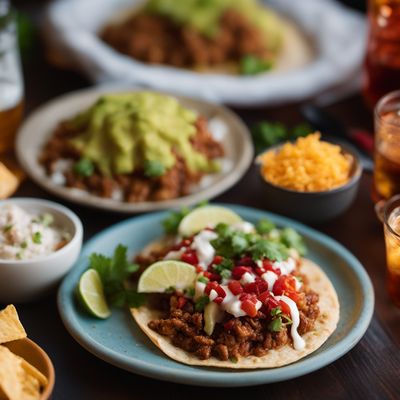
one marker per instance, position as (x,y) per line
(382,61)
(387,147)
(391,220)
(11,83)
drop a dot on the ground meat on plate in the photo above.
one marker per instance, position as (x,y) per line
(135,187)
(157,40)
(233,338)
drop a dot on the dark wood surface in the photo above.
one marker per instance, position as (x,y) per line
(370,371)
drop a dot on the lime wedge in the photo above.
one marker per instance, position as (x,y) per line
(163,275)
(204,217)
(91,294)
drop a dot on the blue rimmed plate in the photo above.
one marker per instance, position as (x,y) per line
(120,342)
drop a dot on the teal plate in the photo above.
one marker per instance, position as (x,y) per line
(120,342)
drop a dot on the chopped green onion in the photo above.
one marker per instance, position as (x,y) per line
(37,238)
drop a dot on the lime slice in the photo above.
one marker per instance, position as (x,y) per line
(163,275)
(91,294)
(204,217)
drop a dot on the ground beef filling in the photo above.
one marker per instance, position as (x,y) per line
(155,39)
(233,338)
(134,187)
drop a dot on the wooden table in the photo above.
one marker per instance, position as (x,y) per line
(369,371)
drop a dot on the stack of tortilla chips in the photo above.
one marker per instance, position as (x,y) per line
(19,380)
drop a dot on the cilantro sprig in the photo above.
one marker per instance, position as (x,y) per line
(288,237)
(279,320)
(266,134)
(201,303)
(232,243)
(114,271)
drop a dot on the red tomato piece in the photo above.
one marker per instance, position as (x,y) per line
(237,272)
(249,308)
(235,287)
(190,257)
(284,284)
(284,307)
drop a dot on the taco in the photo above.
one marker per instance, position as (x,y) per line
(221,36)
(234,295)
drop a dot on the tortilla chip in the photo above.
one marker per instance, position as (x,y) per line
(8,182)
(34,372)
(10,375)
(10,325)
(30,387)
(324,327)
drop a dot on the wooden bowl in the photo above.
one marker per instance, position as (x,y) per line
(36,356)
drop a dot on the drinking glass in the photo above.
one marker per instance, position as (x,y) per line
(11,83)
(387,147)
(391,220)
(382,61)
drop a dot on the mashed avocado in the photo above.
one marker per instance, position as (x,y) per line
(122,133)
(204,16)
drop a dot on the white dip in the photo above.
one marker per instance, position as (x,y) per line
(25,236)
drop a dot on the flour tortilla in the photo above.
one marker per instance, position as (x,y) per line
(324,327)
(296,51)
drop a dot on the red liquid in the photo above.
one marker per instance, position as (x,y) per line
(382,62)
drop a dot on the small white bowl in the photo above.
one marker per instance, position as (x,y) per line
(26,280)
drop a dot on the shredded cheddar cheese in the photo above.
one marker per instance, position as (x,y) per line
(308,165)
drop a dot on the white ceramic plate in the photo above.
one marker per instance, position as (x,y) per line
(336,34)
(40,125)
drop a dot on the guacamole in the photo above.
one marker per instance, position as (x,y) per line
(204,16)
(122,133)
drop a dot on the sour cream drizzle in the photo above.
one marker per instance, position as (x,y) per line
(175,255)
(270,277)
(286,266)
(298,341)
(232,305)
(204,250)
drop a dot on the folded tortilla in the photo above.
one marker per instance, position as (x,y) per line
(324,326)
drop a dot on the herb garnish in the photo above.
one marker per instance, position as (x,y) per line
(203,279)
(224,268)
(153,168)
(24,244)
(114,271)
(84,167)
(290,238)
(252,65)
(265,226)
(7,228)
(232,243)
(278,320)
(37,238)
(264,248)
(201,303)
(266,134)
(46,219)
